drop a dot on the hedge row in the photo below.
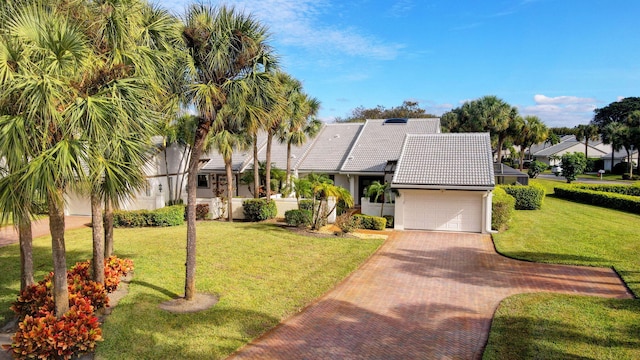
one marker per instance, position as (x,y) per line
(599,198)
(502,208)
(633,190)
(166,216)
(371,222)
(527,197)
(259,209)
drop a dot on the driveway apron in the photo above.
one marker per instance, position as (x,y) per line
(423,295)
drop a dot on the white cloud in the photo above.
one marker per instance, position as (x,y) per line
(297,23)
(561,111)
(402,8)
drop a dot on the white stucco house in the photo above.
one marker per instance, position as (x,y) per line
(444,180)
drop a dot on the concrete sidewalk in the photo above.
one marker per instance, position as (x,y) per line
(9,235)
(423,295)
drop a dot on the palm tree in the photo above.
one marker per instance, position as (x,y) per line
(299,125)
(377,190)
(614,134)
(586,133)
(531,131)
(49,56)
(322,189)
(225,49)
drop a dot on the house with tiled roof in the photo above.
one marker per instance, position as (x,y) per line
(550,154)
(445,182)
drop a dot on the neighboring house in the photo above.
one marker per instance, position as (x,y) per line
(618,157)
(568,144)
(436,191)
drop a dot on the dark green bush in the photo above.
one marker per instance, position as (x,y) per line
(166,216)
(297,217)
(536,168)
(528,197)
(502,208)
(633,190)
(371,222)
(599,198)
(259,209)
(306,204)
(389,220)
(133,218)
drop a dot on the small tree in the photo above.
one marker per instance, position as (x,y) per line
(376,189)
(573,164)
(536,168)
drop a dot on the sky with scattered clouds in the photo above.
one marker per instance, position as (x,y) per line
(557,59)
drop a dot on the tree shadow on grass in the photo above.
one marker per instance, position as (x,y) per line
(138,328)
(157,288)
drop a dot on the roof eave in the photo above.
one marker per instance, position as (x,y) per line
(443,187)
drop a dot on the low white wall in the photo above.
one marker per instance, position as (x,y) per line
(217,208)
(373,209)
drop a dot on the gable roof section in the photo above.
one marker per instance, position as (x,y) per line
(330,148)
(240,159)
(445,161)
(279,154)
(566,142)
(379,142)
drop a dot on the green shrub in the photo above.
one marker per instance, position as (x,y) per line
(371,222)
(599,198)
(389,220)
(502,208)
(297,217)
(259,209)
(536,168)
(347,223)
(633,190)
(528,197)
(306,204)
(166,216)
(133,218)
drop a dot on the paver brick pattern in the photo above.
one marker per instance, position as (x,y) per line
(423,295)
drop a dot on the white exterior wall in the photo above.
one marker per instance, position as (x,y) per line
(373,209)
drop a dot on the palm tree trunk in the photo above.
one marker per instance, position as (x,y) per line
(184,173)
(499,152)
(586,149)
(227,167)
(289,165)
(166,169)
(108,229)
(56,227)
(97,231)
(26,253)
(194,159)
(267,167)
(522,158)
(256,168)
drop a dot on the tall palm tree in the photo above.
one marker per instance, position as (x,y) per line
(531,131)
(299,125)
(50,56)
(587,133)
(225,49)
(614,134)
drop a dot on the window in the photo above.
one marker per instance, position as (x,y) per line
(203,181)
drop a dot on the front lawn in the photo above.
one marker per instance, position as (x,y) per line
(558,326)
(261,273)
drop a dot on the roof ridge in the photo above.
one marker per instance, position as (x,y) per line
(352,147)
(308,150)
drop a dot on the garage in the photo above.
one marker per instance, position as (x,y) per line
(438,193)
(443,210)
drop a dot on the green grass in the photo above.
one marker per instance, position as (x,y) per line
(550,326)
(260,272)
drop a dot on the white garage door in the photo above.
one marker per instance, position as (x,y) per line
(443,210)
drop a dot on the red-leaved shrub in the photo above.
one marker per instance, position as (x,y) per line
(45,337)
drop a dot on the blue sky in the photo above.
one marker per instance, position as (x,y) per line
(557,59)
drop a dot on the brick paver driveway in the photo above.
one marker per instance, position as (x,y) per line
(423,295)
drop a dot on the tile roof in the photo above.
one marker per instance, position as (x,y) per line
(330,147)
(460,159)
(279,154)
(379,142)
(241,159)
(566,142)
